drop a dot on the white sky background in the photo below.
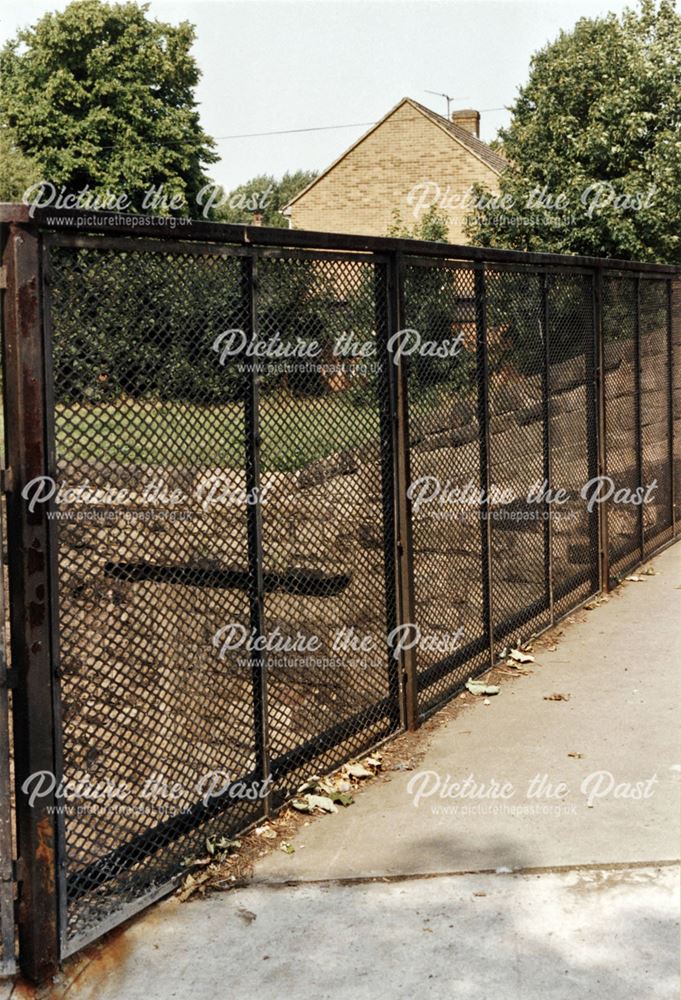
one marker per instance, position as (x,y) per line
(304,63)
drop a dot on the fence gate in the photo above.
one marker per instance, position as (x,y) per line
(146,574)
(208,548)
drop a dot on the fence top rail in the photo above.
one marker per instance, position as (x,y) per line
(83,221)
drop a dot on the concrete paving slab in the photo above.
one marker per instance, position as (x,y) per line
(554,936)
(620,668)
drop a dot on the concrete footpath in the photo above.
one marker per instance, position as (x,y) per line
(567,886)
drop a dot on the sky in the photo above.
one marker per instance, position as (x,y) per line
(309,64)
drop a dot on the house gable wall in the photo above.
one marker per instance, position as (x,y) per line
(359,193)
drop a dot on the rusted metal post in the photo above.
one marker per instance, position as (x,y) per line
(406,613)
(31,600)
(484,451)
(601,430)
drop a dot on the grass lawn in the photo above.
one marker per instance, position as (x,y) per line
(294,431)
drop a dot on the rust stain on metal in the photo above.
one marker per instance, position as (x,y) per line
(44,852)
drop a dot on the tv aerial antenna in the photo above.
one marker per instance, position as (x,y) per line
(448,98)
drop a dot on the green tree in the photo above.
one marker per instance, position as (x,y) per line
(432,226)
(599,122)
(17,171)
(262,193)
(438,307)
(101,95)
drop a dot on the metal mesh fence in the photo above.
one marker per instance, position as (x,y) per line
(326,532)
(446,484)
(206,532)
(503,439)
(518,423)
(152,567)
(656,373)
(621,408)
(638,347)
(572,405)
(272,467)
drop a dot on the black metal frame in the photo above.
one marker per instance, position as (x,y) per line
(33,590)
(7,874)
(31,554)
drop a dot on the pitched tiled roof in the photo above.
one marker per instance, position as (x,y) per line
(466,138)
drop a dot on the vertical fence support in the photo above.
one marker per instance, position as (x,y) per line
(548,448)
(387,394)
(7,965)
(670,414)
(484,442)
(601,430)
(256,594)
(637,395)
(32,607)
(595,520)
(404,533)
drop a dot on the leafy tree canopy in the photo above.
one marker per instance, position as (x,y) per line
(599,122)
(432,226)
(101,95)
(17,171)
(263,193)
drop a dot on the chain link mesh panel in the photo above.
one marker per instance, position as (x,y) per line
(162,686)
(656,471)
(573,432)
(621,417)
(149,429)
(327,520)
(518,422)
(446,484)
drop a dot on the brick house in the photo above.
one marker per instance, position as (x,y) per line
(410,159)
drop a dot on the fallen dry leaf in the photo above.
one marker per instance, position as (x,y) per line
(358,771)
(520,657)
(479,687)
